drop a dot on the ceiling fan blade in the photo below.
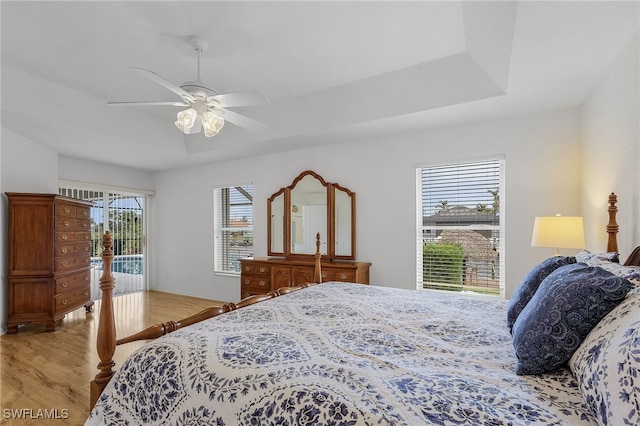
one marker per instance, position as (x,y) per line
(176,104)
(240,99)
(242,121)
(165,83)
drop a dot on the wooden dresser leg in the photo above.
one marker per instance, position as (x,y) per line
(53,325)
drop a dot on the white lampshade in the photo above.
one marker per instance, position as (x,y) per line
(212,123)
(558,232)
(186,119)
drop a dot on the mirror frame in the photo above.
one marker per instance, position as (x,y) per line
(288,205)
(282,192)
(329,237)
(352,195)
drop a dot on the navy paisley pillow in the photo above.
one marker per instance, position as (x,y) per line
(567,305)
(530,284)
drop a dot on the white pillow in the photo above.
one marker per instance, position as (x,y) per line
(607,365)
(631,273)
(585,256)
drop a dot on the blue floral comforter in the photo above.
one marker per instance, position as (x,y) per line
(341,354)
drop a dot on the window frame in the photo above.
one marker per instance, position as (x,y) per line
(224,262)
(499,228)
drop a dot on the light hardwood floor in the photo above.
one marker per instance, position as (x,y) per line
(47,374)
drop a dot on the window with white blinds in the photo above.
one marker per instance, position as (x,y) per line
(460,227)
(233,227)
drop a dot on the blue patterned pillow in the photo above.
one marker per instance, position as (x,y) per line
(567,305)
(607,365)
(530,284)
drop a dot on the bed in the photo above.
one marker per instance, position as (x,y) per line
(351,354)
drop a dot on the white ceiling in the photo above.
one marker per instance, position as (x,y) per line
(334,71)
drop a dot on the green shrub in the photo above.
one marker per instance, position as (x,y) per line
(442,263)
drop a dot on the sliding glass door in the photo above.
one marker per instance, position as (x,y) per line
(122,214)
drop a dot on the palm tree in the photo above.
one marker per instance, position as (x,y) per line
(442,206)
(495,206)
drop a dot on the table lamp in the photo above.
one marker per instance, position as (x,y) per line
(558,232)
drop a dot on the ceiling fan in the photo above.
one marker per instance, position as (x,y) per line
(205,107)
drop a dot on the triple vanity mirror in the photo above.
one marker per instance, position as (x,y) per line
(309,206)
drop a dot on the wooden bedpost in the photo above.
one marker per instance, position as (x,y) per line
(106,341)
(317,272)
(612,226)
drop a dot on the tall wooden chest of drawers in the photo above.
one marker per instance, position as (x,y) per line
(49,265)
(261,275)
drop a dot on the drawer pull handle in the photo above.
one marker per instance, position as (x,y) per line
(246,268)
(86,293)
(64,263)
(86,248)
(64,284)
(64,302)
(84,225)
(86,236)
(343,276)
(64,250)
(247,281)
(86,260)
(67,210)
(262,283)
(64,237)
(66,223)
(84,212)
(86,277)
(263,269)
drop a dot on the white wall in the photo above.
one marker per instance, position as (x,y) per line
(3,257)
(542,178)
(26,167)
(105,174)
(611,140)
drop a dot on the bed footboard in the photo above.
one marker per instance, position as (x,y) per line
(160,329)
(106,338)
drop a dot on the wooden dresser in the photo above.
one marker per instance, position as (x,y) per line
(49,265)
(260,275)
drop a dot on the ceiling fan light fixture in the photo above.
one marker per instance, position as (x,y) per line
(211,123)
(186,120)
